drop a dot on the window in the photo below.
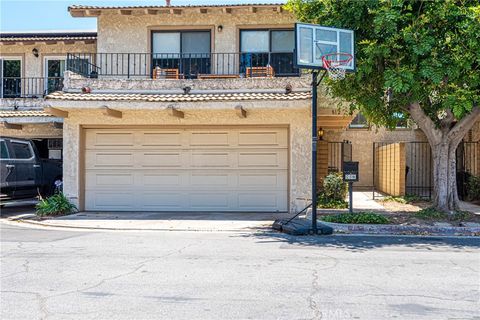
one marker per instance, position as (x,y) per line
(21,150)
(359,122)
(3,150)
(11,74)
(55,68)
(188,51)
(260,48)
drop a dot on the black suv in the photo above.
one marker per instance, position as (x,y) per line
(23,174)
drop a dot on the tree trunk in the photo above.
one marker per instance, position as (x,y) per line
(444,140)
(445,197)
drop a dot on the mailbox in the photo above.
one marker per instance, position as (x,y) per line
(350,171)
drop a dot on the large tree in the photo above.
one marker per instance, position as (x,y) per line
(420,59)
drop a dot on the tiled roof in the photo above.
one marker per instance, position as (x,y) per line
(47,36)
(85,7)
(178,97)
(23,113)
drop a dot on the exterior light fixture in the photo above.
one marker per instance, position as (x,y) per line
(35,52)
(320,133)
(220,28)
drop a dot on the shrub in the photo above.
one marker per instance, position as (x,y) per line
(473,188)
(55,205)
(333,187)
(357,218)
(331,204)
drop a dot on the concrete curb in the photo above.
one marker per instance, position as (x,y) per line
(402,229)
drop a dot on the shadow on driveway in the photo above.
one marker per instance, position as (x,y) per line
(20,207)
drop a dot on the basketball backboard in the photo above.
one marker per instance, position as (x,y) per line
(312,42)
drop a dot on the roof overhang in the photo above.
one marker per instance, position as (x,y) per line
(95,11)
(11,38)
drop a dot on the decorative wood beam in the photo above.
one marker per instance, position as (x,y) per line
(8,43)
(77,13)
(227,10)
(12,126)
(94,13)
(152,11)
(56,112)
(203,10)
(57,125)
(68,41)
(253,9)
(50,42)
(175,11)
(279,9)
(111,112)
(176,113)
(242,113)
(126,12)
(26,43)
(89,41)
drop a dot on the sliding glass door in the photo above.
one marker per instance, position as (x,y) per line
(54,70)
(11,76)
(187,51)
(260,48)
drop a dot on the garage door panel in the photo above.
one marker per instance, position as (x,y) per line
(186,169)
(162,139)
(160,160)
(110,200)
(209,138)
(109,159)
(106,139)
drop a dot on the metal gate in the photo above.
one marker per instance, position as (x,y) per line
(468,164)
(338,152)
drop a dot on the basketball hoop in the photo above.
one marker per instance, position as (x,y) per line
(335,64)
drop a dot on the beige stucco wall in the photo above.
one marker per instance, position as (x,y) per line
(297,117)
(34,66)
(362,146)
(114,28)
(42,130)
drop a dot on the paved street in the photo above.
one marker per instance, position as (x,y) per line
(62,274)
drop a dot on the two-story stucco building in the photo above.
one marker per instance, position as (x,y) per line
(189,108)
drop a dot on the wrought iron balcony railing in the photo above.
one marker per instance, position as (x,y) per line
(183,65)
(29,87)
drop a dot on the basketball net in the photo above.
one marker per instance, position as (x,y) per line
(334,63)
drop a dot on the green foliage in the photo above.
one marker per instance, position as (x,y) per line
(334,188)
(417,51)
(473,188)
(409,198)
(55,205)
(432,214)
(357,218)
(333,192)
(331,203)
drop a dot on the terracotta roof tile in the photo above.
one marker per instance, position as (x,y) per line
(178,97)
(23,113)
(47,36)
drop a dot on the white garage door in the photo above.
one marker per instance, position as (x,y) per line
(188,169)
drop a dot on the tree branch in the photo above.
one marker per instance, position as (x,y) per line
(462,126)
(425,123)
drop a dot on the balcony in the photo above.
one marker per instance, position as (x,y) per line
(30,87)
(182,66)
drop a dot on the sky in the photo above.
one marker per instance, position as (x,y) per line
(40,15)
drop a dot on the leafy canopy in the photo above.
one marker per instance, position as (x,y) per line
(407,51)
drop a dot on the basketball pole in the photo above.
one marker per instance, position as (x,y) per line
(315,84)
